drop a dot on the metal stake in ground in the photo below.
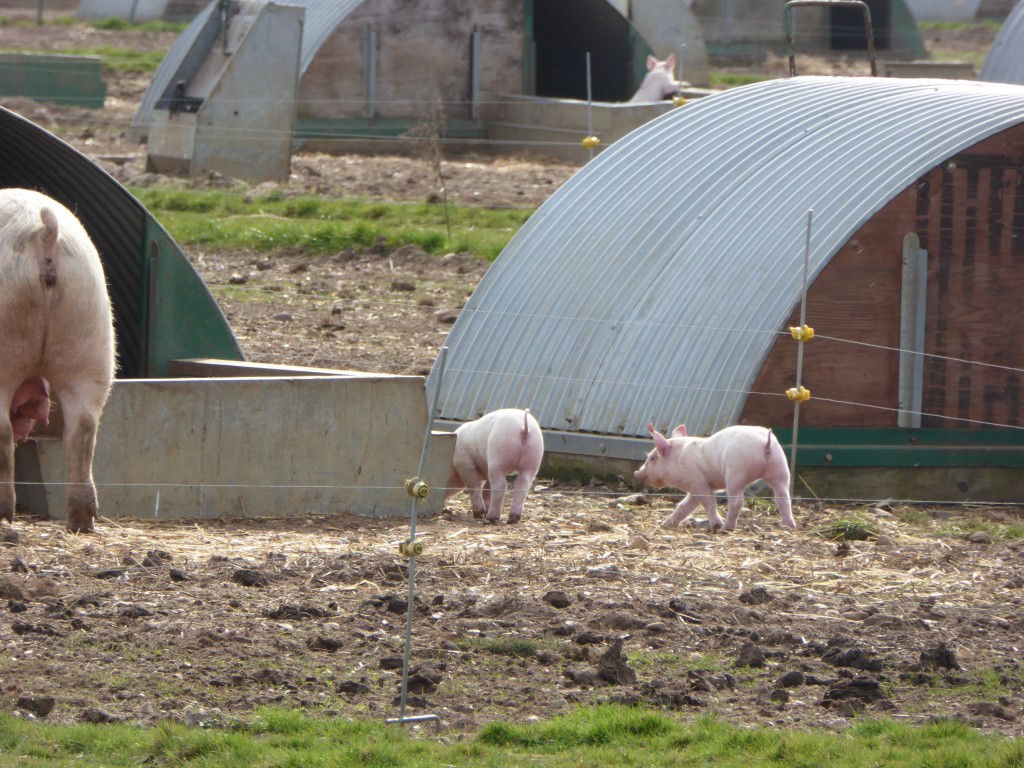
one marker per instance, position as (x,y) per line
(418,489)
(798,394)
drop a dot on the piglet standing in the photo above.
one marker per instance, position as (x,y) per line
(56,335)
(501,443)
(728,460)
(660,81)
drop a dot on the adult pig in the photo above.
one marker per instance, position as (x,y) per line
(728,460)
(501,443)
(56,335)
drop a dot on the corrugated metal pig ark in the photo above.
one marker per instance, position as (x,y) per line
(660,283)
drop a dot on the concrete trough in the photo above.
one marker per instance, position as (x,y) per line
(557,127)
(284,442)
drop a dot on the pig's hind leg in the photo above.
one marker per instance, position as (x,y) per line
(497,485)
(81,406)
(785,504)
(519,491)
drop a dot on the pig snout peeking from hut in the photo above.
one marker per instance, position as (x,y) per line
(660,81)
(501,443)
(56,338)
(729,460)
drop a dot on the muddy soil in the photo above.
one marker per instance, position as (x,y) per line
(587,600)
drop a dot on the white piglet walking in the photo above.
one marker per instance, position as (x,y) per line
(728,460)
(501,443)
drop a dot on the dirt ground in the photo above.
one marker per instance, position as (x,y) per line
(587,600)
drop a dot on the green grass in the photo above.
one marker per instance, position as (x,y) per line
(734,79)
(646,662)
(116,60)
(936,26)
(117,24)
(516,647)
(122,61)
(317,226)
(598,736)
(846,530)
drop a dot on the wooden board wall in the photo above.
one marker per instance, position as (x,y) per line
(969,215)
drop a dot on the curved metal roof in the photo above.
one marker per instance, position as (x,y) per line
(1005,60)
(321,19)
(162,308)
(653,283)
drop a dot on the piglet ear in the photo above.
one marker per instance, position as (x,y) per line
(679,431)
(661,443)
(651,62)
(670,63)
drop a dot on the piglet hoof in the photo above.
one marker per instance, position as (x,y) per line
(716,527)
(479,513)
(491,520)
(514,520)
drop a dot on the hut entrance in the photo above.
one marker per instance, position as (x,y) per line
(564,31)
(846,26)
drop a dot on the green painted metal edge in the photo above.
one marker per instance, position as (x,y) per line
(75,81)
(360,128)
(851,447)
(185,320)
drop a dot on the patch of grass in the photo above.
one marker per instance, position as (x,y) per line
(599,736)
(122,61)
(269,223)
(987,684)
(846,530)
(948,26)
(734,79)
(117,24)
(651,664)
(997,530)
(516,647)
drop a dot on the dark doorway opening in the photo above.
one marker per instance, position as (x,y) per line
(564,31)
(847,30)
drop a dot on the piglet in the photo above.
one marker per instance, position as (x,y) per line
(728,460)
(501,443)
(660,81)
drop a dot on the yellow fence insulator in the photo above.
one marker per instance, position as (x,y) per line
(798,394)
(803,333)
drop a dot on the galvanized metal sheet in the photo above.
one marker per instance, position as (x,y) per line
(653,284)
(322,17)
(1005,60)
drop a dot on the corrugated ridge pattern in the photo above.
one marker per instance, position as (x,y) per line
(1005,60)
(652,285)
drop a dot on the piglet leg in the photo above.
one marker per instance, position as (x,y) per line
(519,492)
(682,511)
(498,485)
